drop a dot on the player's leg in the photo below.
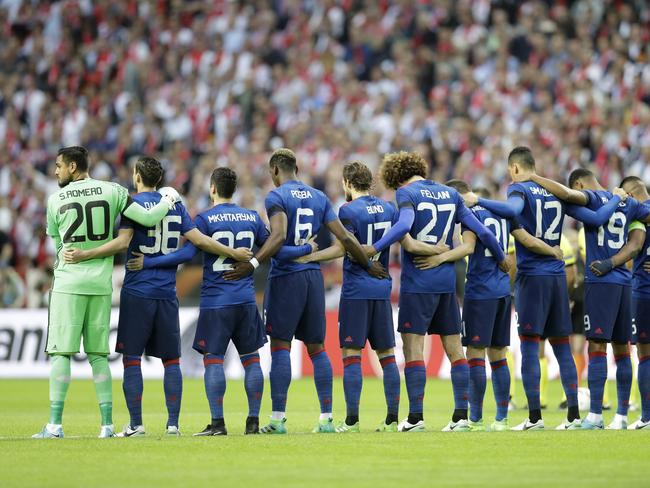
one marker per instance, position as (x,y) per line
(165,343)
(543,375)
(532,302)
(479,321)
(381,336)
(284,301)
(311,330)
(355,317)
(459,381)
(212,342)
(95,337)
(601,310)
(352,384)
(134,329)
(621,337)
(500,386)
(641,314)
(446,323)
(477,385)
(414,318)
(248,337)
(558,328)
(65,326)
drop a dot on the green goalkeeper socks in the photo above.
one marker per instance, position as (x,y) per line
(103,386)
(59,383)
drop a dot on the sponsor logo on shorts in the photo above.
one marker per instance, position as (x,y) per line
(407,325)
(598,331)
(476,338)
(201,343)
(348,339)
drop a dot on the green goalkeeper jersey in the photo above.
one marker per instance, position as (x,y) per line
(83,215)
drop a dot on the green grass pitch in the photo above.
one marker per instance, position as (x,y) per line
(301,459)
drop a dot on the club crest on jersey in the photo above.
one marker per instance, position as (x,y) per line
(438,195)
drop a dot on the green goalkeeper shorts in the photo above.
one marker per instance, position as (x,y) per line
(72,317)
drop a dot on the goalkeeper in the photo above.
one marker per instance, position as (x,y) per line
(83,213)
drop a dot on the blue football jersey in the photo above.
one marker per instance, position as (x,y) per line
(605,241)
(163,238)
(368,218)
(234,227)
(542,217)
(437,209)
(307,210)
(641,278)
(484,278)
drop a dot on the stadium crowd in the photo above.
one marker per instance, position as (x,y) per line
(202,83)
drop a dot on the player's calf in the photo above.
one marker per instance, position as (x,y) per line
(254,386)
(415,376)
(391,389)
(459,380)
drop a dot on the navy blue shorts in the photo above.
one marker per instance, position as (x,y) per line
(240,324)
(361,320)
(428,313)
(486,323)
(294,306)
(641,320)
(542,305)
(608,312)
(148,326)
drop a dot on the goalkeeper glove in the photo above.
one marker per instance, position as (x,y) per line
(169,195)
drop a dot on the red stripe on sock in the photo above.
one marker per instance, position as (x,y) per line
(280,348)
(460,362)
(351,360)
(249,361)
(413,364)
(560,340)
(498,364)
(207,361)
(171,362)
(385,361)
(618,357)
(476,362)
(643,359)
(134,362)
(529,338)
(597,354)
(316,353)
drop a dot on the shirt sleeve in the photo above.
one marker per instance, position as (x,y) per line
(186,221)
(403,198)
(122,197)
(641,211)
(200,224)
(346,218)
(53,227)
(262,233)
(171,260)
(273,204)
(508,209)
(488,239)
(328,212)
(397,231)
(591,218)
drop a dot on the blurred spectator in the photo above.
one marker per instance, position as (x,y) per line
(205,83)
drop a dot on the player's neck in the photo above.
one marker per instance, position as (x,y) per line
(412,179)
(218,200)
(142,189)
(358,194)
(284,177)
(80,176)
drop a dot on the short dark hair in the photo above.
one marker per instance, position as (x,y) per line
(632,179)
(225,182)
(482,192)
(75,154)
(522,155)
(399,167)
(150,170)
(576,174)
(459,185)
(358,175)
(285,159)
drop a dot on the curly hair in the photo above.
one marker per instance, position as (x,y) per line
(150,170)
(358,175)
(397,168)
